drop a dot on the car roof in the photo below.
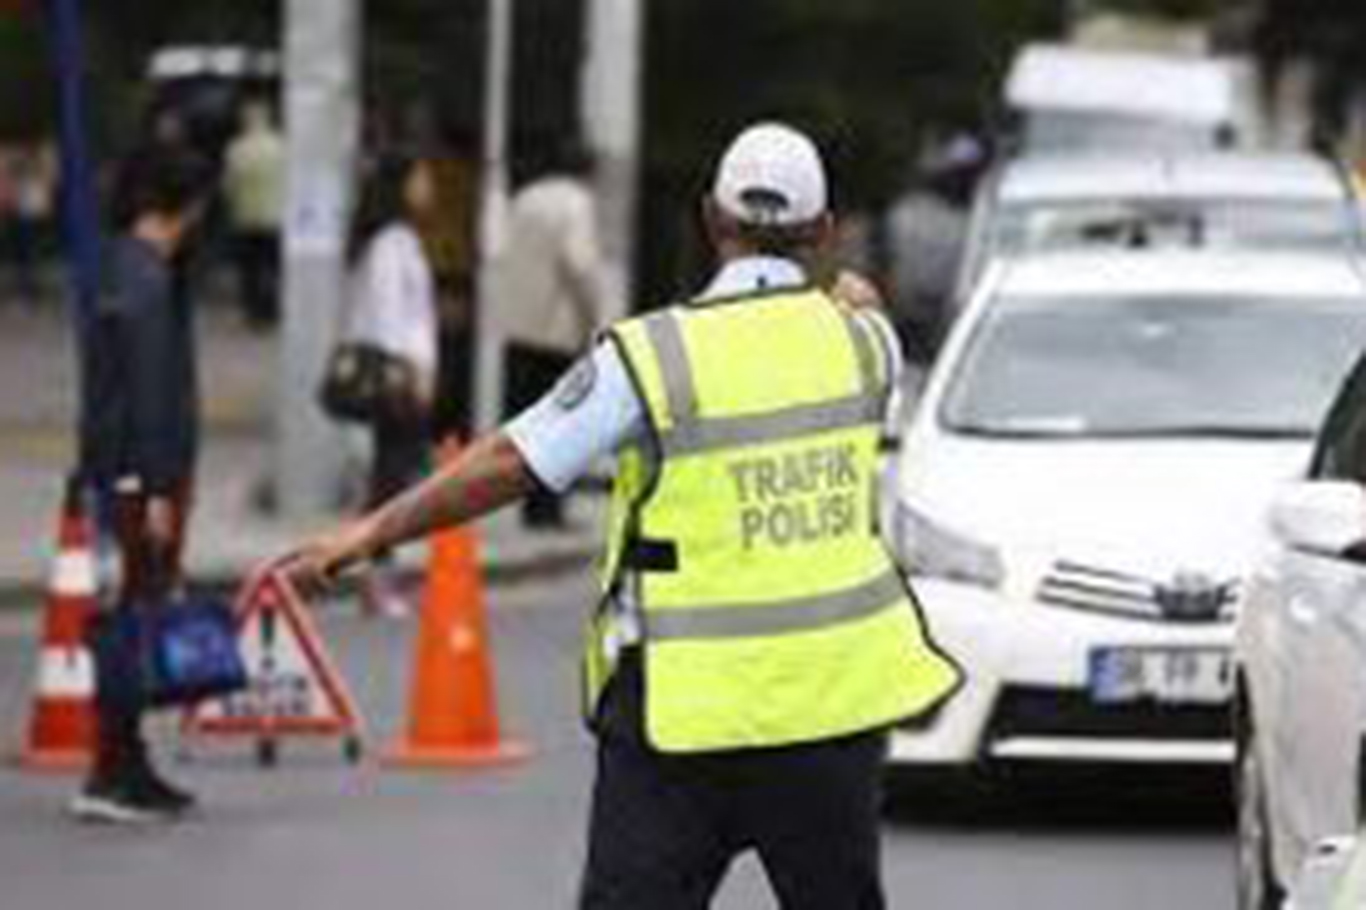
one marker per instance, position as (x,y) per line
(1191,273)
(1211,175)
(1132,83)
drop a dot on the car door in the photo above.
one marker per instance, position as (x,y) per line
(1320,636)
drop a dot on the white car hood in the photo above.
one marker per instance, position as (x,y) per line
(1145,506)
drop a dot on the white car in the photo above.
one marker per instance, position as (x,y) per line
(1301,694)
(1081,487)
(1214,200)
(1068,96)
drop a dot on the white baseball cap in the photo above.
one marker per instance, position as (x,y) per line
(771,175)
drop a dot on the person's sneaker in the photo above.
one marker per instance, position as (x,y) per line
(154,790)
(116,803)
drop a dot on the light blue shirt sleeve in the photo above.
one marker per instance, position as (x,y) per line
(591,413)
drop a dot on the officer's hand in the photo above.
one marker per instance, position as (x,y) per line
(317,564)
(857,292)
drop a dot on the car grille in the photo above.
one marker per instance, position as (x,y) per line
(1186,598)
(1030,711)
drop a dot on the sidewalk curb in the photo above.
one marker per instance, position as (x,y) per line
(18,595)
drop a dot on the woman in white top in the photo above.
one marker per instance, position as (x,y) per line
(393,307)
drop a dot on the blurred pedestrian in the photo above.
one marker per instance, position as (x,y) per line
(253,182)
(753,640)
(7,194)
(33,179)
(393,307)
(451,237)
(163,139)
(928,228)
(165,143)
(139,445)
(548,291)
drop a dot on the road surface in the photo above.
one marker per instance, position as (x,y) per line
(315,833)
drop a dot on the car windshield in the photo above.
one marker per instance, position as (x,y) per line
(1153,366)
(1236,224)
(1052,131)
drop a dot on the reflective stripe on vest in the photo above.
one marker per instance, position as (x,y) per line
(738,620)
(691,434)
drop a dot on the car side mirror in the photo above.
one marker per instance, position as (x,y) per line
(1327,517)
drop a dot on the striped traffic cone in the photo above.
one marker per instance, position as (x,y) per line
(61,730)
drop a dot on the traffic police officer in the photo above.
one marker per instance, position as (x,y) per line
(753,641)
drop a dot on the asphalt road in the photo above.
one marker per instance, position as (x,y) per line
(316,833)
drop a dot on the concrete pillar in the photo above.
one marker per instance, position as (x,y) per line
(322,127)
(488,377)
(611,88)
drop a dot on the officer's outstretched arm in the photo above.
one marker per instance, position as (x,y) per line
(487,475)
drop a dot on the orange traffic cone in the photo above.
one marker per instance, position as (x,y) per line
(453,718)
(61,732)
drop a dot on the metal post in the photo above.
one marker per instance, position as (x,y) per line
(79,204)
(322,130)
(611,115)
(488,387)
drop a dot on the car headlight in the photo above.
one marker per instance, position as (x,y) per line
(928,548)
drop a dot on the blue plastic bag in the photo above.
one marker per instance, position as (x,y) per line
(177,652)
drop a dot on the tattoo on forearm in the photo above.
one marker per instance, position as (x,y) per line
(476,496)
(487,476)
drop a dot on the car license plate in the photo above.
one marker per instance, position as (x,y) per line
(1175,676)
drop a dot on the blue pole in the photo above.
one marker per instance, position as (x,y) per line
(79,202)
(80,216)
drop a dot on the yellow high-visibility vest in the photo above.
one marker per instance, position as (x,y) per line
(744,530)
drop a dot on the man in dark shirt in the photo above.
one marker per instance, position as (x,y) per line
(139,440)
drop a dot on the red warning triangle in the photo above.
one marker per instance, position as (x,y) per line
(296,689)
